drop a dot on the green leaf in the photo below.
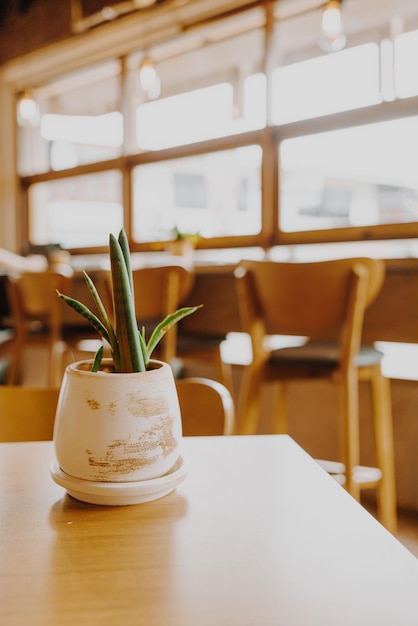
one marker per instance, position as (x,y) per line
(87,314)
(126,328)
(105,317)
(166,324)
(124,246)
(97,359)
(143,345)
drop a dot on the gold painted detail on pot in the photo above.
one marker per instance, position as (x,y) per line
(124,456)
(93,404)
(144,406)
(164,433)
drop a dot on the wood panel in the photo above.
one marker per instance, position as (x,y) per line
(392,317)
(394,314)
(219,315)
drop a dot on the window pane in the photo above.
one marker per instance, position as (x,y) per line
(327,84)
(215,195)
(406,77)
(79,122)
(201,114)
(76,212)
(354,177)
(210,85)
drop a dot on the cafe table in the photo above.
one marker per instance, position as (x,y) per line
(257,534)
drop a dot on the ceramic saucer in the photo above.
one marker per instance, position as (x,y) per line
(120,494)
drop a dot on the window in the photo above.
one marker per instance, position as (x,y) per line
(189,191)
(363,176)
(216,195)
(80,121)
(255,138)
(201,114)
(76,212)
(405,49)
(327,84)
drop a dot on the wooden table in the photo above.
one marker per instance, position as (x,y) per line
(256,535)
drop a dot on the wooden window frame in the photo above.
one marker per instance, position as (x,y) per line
(120,39)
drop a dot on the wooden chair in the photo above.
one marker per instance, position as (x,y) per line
(206,407)
(158,291)
(200,336)
(206,349)
(6,349)
(27,413)
(36,315)
(324,302)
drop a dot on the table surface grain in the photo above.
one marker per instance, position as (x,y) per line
(257,534)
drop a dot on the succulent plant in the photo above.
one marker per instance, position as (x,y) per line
(179,235)
(131,350)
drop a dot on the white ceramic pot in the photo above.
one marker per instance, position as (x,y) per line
(117,427)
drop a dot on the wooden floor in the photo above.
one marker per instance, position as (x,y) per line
(408,531)
(407,528)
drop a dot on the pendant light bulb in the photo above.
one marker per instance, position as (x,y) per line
(28,110)
(148,78)
(332,36)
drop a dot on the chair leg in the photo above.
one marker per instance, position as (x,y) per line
(383,429)
(16,361)
(55,368)
(224,371)
(249,401)
(350,429)
(281,408)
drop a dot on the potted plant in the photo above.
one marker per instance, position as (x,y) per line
(182,244)
(118,428)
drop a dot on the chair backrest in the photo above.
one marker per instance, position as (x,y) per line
(322,300)
(159,291)
(33,296)
(206,407)
(27,413)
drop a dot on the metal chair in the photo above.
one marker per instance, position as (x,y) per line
(324,302)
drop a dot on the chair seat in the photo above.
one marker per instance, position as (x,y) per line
(197,343)
(7,335)
(206,348)
(317,354)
